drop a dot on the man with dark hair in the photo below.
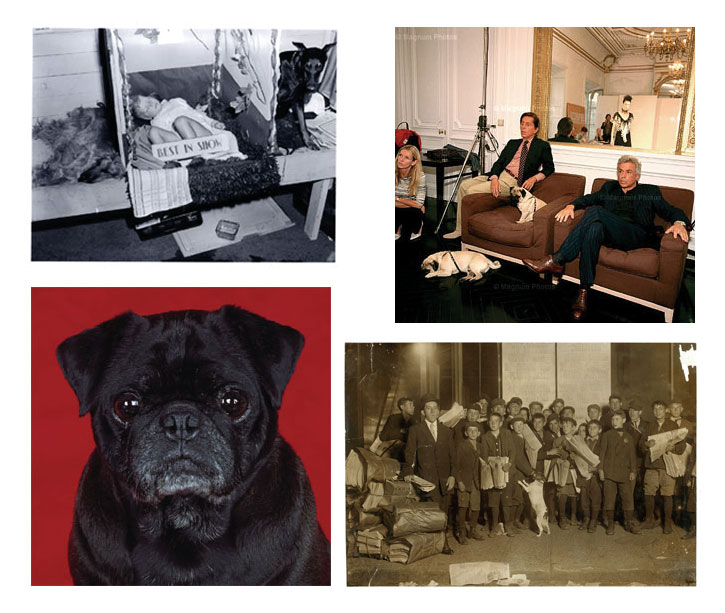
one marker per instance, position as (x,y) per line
(621,216)
(513,407)
(563,131)
(523,162)
(430,454)
(397,425)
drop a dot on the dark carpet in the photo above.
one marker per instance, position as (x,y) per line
(509,294)
(112,238)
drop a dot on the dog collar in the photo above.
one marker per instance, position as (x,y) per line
(454,262)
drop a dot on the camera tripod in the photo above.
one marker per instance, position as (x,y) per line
(484,139)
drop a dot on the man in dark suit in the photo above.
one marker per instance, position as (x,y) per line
(620,215)
(430,454)
(617,471)
(524,162)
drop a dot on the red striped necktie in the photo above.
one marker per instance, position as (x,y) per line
(522,162)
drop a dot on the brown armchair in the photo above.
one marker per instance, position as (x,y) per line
(488,225)
(645,276)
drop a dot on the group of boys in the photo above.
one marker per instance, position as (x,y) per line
(492,435)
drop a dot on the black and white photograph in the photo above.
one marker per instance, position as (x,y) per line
(545,176)
(154,144)
(542,464)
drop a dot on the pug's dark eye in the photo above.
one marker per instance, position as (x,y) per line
(234,402)
(126,406)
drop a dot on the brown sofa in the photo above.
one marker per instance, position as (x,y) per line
(645,276)
(489,225)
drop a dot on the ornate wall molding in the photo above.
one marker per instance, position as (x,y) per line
(541,76)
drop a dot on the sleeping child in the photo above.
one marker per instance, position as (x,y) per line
(174,120)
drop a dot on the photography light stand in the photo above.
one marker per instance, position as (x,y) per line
(484,138)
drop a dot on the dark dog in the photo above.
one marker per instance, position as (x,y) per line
(190,482)
(299,78)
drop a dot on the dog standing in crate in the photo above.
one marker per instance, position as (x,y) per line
(298,96)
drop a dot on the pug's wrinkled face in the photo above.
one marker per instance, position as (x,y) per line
(183,404)
(175,418)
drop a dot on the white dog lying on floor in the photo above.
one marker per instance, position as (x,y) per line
(535,491)
(527,203)
(447,263)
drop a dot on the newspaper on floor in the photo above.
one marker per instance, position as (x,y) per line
(520,579)
(662,439)
(478,573)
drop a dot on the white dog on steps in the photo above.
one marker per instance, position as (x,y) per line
(447,263)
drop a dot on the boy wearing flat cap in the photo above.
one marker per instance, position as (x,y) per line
(467,471)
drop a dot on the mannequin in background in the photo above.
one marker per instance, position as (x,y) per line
(622,129)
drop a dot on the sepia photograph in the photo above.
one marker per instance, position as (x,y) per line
(544,174)
(155,144)
(542,464)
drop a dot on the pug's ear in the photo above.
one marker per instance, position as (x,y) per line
(272,347)
(83,357)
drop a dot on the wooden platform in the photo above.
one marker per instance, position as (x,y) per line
(75,199)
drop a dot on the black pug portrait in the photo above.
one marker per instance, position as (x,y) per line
(190,482)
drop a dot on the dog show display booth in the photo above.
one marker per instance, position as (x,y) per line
(232,76)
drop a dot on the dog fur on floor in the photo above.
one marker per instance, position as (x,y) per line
(443,264)
(527,203)
(535,492)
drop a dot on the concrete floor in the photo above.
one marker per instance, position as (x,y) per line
(651,558)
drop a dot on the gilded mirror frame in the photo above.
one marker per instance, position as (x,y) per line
(541,90)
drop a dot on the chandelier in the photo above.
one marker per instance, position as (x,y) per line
(667,45)
(675,69)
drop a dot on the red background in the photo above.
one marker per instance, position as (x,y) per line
(62,442)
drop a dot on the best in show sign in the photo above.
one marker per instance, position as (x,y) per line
(188,148)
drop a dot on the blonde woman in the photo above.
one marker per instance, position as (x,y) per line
(409,193)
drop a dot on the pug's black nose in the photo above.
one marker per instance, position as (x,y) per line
(180,425)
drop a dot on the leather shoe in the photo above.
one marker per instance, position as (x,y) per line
(452,235)
(546,264)
(580,305)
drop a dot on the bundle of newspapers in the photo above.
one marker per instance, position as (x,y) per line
(412,547)
(385,516)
